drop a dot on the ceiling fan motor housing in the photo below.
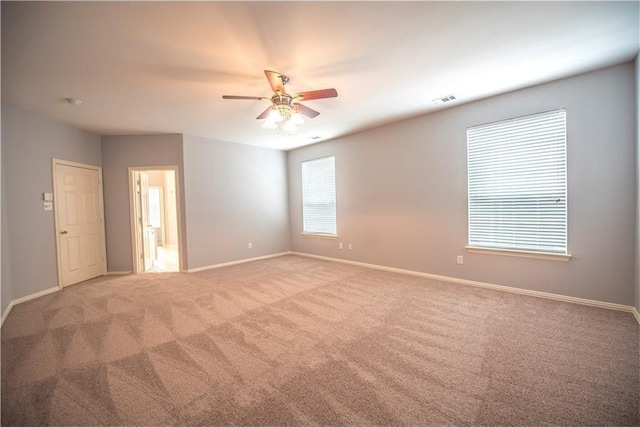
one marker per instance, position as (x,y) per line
(282,103)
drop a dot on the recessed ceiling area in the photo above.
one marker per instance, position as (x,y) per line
(162,67)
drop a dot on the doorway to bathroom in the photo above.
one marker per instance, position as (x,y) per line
(155,218)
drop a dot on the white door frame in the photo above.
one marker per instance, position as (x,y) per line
(135,235)
(103,246)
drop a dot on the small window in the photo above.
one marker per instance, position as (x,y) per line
(517,178)
(319,196)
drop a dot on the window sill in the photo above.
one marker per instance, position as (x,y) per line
(525,254)
(320,235)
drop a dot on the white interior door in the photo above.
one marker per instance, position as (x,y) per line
(148,233)
(78,201)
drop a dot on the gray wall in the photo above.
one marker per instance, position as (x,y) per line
(29,142)
(236,194)
(402,200)
(118,154)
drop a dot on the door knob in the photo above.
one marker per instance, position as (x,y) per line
(64,232)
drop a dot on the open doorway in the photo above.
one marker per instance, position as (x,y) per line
(154,219)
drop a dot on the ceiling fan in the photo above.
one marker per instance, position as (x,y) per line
(284,107)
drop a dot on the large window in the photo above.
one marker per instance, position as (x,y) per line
(319,196)
(517,177)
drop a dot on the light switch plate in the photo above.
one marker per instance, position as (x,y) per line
(48,206)
(47,197)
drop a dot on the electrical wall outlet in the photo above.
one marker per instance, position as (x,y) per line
(340,245)
(250,245)
(350,246)
(460,259)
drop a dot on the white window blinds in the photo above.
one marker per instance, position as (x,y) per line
(517,177)
(319,196)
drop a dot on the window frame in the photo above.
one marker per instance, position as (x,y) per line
(472,214)
(316,233)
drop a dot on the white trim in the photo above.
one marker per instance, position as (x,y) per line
(6,313)
(320,235)
(539,294)
(132,213)
(134,221)
(514,252)
(117,273)
(27,298)
(242,261)
(636,314)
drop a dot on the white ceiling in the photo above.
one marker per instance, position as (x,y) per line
(151,67)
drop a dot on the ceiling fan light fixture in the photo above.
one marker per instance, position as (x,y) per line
(284,110)
(296,119)
(275,116)
(289,126)
(269,124)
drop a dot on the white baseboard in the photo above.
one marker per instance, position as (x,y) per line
(118,273)
(6,313)
(539,294)
(26,298)
(242,261)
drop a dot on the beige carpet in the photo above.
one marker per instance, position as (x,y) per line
(299,341)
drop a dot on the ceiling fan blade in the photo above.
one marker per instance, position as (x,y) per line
(264,114)
(255,98)
(275,80)
(309,112)
(317,94)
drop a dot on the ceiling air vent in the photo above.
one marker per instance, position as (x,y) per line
(444,99)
